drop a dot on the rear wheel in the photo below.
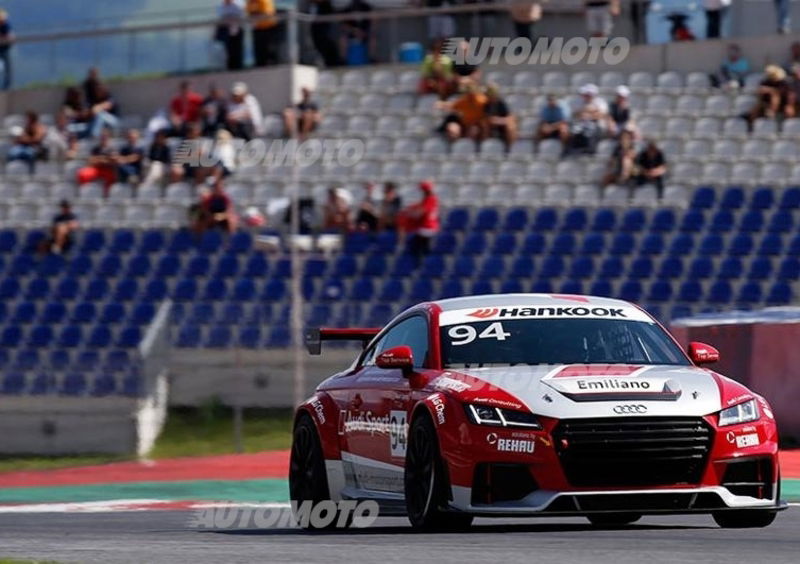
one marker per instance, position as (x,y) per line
(744,519)
(613,519)
(425,482)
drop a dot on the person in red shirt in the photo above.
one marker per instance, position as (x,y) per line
(184,108)
(217,211)
(421,220)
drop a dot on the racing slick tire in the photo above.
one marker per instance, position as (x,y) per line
(308,481)
(613,519)
(744,518)
(425,482)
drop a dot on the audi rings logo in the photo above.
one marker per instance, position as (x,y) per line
(630,409)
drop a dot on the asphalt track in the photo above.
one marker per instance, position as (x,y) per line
(164,536)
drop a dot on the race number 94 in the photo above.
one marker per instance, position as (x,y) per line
(465,334)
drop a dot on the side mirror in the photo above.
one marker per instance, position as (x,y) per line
(701,353)
(397,357)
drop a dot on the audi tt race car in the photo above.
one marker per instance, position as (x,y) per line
(533,404)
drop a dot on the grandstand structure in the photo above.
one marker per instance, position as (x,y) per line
(725,234)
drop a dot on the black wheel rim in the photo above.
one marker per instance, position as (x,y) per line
(302,465)
(420,471)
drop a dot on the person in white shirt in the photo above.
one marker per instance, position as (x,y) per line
(715,16)
(244,119)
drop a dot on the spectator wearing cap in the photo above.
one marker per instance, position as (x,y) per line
(500,122)
(7,39)
(29,145)
(436,74)
(64,225)
(619,111)
(336,213)
(266,36)
(299,121)
(421,220)
(390,208)
(244,117)
(716,11)
(184,108)
(554,121)
(733,69)
(230,32)
(651,166)
(467,115)
(600,16)
(590,120)
(102,164)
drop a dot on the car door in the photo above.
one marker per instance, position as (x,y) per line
(375,424)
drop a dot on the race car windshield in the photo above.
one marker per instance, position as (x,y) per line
(557,341)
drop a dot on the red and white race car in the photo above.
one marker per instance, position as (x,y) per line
(528,404)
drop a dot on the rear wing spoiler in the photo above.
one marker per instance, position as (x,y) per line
(314,337)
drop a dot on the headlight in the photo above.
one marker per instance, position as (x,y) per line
(485,415)
(742,413)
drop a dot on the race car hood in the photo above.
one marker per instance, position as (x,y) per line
(595,390)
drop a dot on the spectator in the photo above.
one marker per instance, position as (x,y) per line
(794,56)
(213,111)
(440,26)
(437,74)
(652,166)
(368,218)
(224,155)
(161,165)
(65,224)
(300,120)
(390,207)
(216,210)
(29,146)
(336,214)
(784,16)
(590,120)
(500,122)
(91,84)
(322,32)
(131,158)
(794,92)
(76,112)
(467,115)
(230,32)
(60,141)
(421,220)
(7,39)
(102,164)
(733,70)
(194,170)
(525,14)
(244,118)
(619,111)
(103,112)
(357,40)
(466,74)
(184,108)
(622,162)
(715,16)
(266,33)
(773,95)
(600,16)
(554,121)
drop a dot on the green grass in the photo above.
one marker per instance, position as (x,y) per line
(187,432)
(17,561)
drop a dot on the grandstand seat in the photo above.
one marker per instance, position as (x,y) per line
(563,244)
(711,245)
(256,266)
(604,220)
(41,336)
(612,268)
(155,290)
(122,241)
(37,289)
(789,269)
(26,359)
(633,221)
(652,244)
(215,289)
(433,266)
(445,243)
(790,199)
(74,384)
(641,268)
(779,293)
(671,268)
(227,267)
(546,220)
(522,267)
(457,220)
(581,268)
(189,336)
(690,291)
(474,244)
(730,269)
(720,293)
(593,244)
(750,293)
(14,383)
(250,337)
(760,269)
(533,244)
(92,241)
(51,265)
(575,220)
(552,267)
(404,265)
(631,290)
(622,244)
(704,198)
(660,291)
(53,313)
(741,245)
(9,289)
(100,337)
(80,265)
(516,220)
(25,312)
(219,337)
(185,290)
(752,222)
(392,290)
(601,288)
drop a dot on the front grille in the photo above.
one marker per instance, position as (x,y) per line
(751,477)
(635,451)
(495,482)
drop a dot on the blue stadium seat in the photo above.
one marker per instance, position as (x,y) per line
(250,337)
(631,291)
(333,290)
(452,288)
(181,242)
(780,293)
(633,221)
(152,241)
(720,293)
(33,239)
(283,268)
(81,265)
(155,290)
(279,337)
(103,385)
(219,337)
(604,220)
(138,267)
(421,290)
(511,286)
(750,293)
(122,241)
(704,198)
(781,222)
(546,220)
(274,290)
(256,266)
(789,269)
(563,244)
(96,290)
(732,199)
(74,384)
(320,315)
(84,312)
(386,242)
(37,289)
(552,267)
(593,244)
(612,268)
(43,383)
(641,268)
(504,244)
(92,241)
(522,267)
(760,269)
(87,361)
(690,292)
(433,266)
(3,312)
(444,243)
(357,243)
(457,219)
(721,222)
(671,268)
(575,220)
(100,337)
(534,244)
(730,269)
(113,313)
(392,290)
(22,265)
(9,289)
(315,267)
(227,266)
(741,245)
(53,313)
(492,267)
(363,290)
(11,336)
(70,336)
(132,384)
(693,222)
(189,336)
(542,286)
(41,336)
(516,220)
(126,290)
(8,241)
(763,198)
(701,268)
(711,245)
(660,291)
(59,358)
(201,313)
(51,265)
(474,244)
(215,289)
(67,289)
(13,383)
(25,312)
(581,268)
(345,266)
(622,244)
(486,220)
(570,287)
(680,311)
(231,313)
(663,221)
(376,265)
(130,337)
(652,244)
(794,246)
(26,359)
(379,315)
(481,288)
(790,199)
(198,266)
(185,290)
(752,222)
(771,245)
(240,242)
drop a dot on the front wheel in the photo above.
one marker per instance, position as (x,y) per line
(425,483)
(613,519)
(744,519)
